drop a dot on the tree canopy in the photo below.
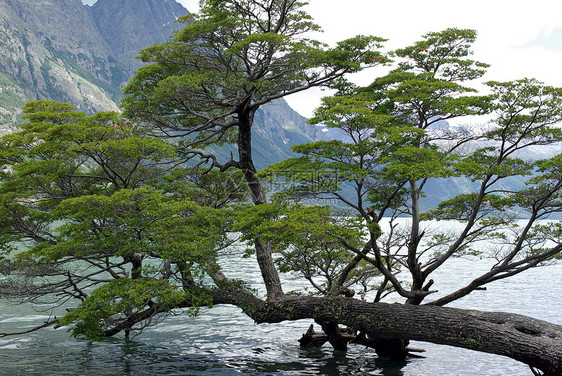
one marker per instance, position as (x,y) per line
(127,218)
(397,140)
(206,85)
(232,58)
(110,219)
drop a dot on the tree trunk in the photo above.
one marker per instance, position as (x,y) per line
(395,349)
(525,339)
(263,250)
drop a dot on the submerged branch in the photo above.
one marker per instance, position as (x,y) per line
(34,329)
(525,339)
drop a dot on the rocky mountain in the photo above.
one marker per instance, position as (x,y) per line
(278,127)
(127,26)
(70,52)
(53,49)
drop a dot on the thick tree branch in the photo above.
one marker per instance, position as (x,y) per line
(531,341)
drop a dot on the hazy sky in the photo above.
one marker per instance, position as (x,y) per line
(519,38)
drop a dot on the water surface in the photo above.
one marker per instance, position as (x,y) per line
(223,341)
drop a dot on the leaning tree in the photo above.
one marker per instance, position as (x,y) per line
(129,225)
(397,139)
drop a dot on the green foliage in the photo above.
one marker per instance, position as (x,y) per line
(396,141)
(132,225)
(444,54)
(62,153)
(103,216)
(544,189)
(134,221)
(387,123)
(310,239)
(527,113)
(545,235)
(414,163)
(464,206)
(10,99)
(207,84)
(287,225)
(207,188)
(233,57)
(113,302)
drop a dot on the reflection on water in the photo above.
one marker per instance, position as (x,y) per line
(223,341)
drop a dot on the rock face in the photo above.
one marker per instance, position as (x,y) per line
(51,49)
(277,127)
(128,26)
(66,51)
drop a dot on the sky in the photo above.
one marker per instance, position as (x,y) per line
(519,38)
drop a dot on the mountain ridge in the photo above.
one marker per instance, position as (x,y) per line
(70,52)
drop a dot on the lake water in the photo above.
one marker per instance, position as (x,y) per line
(223,341)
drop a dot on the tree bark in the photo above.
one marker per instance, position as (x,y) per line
(263,250)
(534,342)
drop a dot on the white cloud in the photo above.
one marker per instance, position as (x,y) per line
(504,29)
(190,5)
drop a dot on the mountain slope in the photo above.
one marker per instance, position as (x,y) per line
(69,52)
(128,26)
(51,49)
